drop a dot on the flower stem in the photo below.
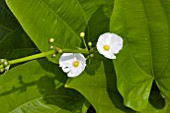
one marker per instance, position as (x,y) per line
(75,51)
(43,54)
(85,44)
(32,57)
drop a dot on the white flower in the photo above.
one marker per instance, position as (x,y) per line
(72,63)
(109,44)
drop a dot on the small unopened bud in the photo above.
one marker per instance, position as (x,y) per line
(53,55)
(82,34)
(5,63)
(91,55)
(51,47)
(2,70)
(51,40)
(60,51)
(89,44)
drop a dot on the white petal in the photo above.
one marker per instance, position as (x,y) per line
(72,73)
(66,62)
(103,38)
(66,69)
(66,59)
(100,47)
(80,57)
(114,41)
(76,71)
(115,48)
(110,55)
(117,38)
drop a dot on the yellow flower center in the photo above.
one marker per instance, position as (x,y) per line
(106,47)
(75,63)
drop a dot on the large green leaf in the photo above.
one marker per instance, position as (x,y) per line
(97,21)
(100,89)
(37,87)
(144,26)
(151,109)
(62,20)
(43,19)
(14,43)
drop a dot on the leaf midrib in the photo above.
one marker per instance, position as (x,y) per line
(152,70)
(47,6)
(163,9)
(130,54)
(149,39)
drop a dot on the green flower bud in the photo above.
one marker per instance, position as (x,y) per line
(91,55)
(90,44)
(53,55)
(2,70)
(51,47)
(82,34)
(5,63)
(60,51)
(51,40)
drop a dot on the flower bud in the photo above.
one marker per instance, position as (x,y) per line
(51,40)
(53,55)
(51,47)
(2,70)
(82,34)
(89,44)
(5,63)
(59,50)
(91,55)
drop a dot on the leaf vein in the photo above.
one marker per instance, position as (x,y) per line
(47,6)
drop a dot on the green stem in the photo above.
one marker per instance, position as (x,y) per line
(75,51)
(32,57)
(85,44)
(41,55)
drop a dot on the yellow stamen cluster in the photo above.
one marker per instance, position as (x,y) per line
(75,63)
(106,47)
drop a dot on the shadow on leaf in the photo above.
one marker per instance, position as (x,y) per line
(155,97)
(48,85)
(112,87)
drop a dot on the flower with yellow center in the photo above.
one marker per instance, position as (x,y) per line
(109,44)
(76,63)
(72,63)
(106,47)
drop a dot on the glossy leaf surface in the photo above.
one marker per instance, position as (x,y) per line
(144,26)
(100,89)
(37,87)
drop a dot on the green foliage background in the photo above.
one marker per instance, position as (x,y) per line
(136,82)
